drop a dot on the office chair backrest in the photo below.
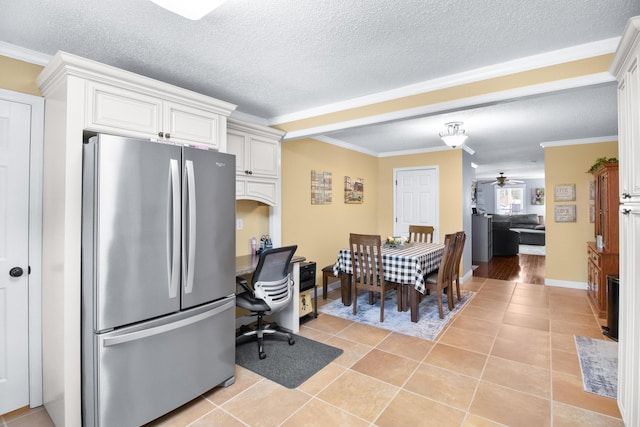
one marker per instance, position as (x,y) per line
(271,281)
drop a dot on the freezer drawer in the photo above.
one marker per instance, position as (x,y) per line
(148,370)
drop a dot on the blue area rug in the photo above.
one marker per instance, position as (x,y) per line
(428,326)
(599,365)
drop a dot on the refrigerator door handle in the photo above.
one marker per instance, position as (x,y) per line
(173,237)
(191,242)
(145,333)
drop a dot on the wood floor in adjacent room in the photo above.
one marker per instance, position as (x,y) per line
(518,268)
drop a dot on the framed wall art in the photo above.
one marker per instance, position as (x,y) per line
(537,196)
(564,213)
(564,193)
(592,190)
(321,188)
(353,190)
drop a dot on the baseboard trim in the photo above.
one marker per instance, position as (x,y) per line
(565,284)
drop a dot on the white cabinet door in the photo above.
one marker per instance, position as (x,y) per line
(629,131)
(189,124)
(256,166)
(629,315)
(122,112)
(263,156)
(237,145)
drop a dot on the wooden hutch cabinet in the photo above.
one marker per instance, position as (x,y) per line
(604,261)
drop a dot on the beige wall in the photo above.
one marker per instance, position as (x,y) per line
(320,230)
(449,163)
(566,243)
(255,218)
(19,76)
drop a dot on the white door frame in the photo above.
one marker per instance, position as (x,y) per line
(35,239)
(437,194)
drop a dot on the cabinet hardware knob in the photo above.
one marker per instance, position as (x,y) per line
(161,134)
(168,136)
(626,195)
(626,211)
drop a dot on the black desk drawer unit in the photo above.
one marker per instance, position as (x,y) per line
(308,281)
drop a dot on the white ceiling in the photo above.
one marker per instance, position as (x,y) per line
(278,59)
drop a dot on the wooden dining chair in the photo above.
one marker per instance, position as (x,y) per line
(421,233)
(368,271)
(461,238)
(441,281)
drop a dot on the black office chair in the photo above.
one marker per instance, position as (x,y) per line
(271,291)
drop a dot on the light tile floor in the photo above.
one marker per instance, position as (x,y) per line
(507,359)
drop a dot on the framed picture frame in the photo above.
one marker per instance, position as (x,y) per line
(321,188)
(592,190)
(353,190)
(537,196)
(564,193)
(564,213)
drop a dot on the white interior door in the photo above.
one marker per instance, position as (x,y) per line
(416,199)
(15,124)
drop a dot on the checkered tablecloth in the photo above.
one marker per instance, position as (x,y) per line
(408,265)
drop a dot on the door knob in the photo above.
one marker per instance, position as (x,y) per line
(16,272)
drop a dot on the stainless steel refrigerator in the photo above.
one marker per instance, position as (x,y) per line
(158,277)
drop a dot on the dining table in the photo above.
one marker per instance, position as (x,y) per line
(406,265)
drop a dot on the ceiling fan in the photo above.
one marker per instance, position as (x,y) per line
(502,180)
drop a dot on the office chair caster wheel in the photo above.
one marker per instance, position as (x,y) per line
(291,341)
(262,355)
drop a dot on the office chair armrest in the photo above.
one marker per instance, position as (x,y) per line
(243,282)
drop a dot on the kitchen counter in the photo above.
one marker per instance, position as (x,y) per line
(288,318)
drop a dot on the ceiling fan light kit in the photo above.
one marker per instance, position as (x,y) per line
(454,135)
(502,180)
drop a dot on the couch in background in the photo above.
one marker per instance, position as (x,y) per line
(530,227)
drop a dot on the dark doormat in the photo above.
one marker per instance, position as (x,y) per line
(288,365)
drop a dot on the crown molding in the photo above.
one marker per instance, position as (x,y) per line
(580,141)
(249,118)
(457,104)
(528,63)
(23,54)
(630,35)
(342,144)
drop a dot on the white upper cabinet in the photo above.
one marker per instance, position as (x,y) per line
(625,68)
(117,110)
(255,155)
(257,151)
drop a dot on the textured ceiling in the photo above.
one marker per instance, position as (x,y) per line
(278,57)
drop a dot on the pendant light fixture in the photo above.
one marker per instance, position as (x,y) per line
(454,135)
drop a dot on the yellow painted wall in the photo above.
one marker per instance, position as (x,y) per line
(566,243)
(19,76)
(321,230)
(255,218)
(450,178)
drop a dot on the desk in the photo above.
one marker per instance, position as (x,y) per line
(289,317)
(406,266)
